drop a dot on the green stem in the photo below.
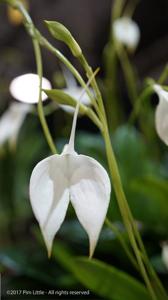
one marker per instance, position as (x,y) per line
(129,73)
(112,102)
(122,202)
(138,104)
(123,243)
(30,27)
(117,9)
(89,73)
(40,104)
(163,76)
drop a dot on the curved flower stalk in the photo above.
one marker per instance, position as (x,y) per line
(11,122)
(59,179)
(25,88)
(74,91)
(126,32)
(161,115)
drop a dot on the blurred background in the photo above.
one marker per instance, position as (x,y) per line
(142,157)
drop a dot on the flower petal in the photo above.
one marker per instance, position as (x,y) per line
(161,120)
(11,122)
(49,195)
(127,32)
(25,88)
(90,195)
(165,254)
(161,115)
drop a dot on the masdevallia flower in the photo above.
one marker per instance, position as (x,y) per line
(161,115)
(25,88)
(11,122)
(126,32)
(59,179)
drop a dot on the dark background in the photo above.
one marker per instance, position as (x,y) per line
(89,21)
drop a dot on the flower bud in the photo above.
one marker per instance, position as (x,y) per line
(60,32)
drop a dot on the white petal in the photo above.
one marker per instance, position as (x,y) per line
(79,176)
(11,121)
(161,115)
(90,195)
(75,92)
(49,195)
(127,32)
(165,254)
(25,88)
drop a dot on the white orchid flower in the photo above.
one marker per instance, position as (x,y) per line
(74,91)
(161,115)
(126,32)
(165,254)
(25,88)
(59,179)
(11,122)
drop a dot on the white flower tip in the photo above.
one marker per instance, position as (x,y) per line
(127,32)
(49,251)
(48,242)
(25,88)
(92,246)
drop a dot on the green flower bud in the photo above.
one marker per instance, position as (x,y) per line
(61,33)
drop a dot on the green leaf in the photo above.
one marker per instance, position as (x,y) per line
(150,200)
(101,278)
(61,33)
(132,154)
(36,267)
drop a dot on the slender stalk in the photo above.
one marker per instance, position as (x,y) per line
(163,76)
(124,245)
(138,104)
(44,125)
(73,130)
(121,202)
(129,74)
(30,28)
(117,8)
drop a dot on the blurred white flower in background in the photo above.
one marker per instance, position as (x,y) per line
(74,91)
(161,114)
(165,254)
(126,32)
(11,122)
(25,88)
